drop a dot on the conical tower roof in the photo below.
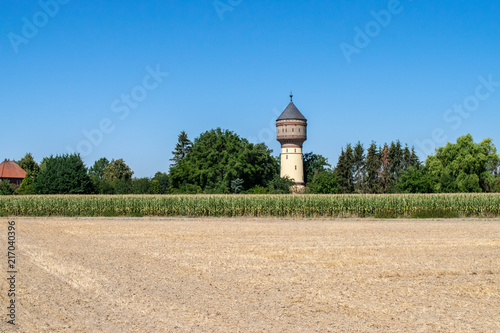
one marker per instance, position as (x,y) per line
(291,112)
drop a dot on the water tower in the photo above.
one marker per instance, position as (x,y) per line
(291,132)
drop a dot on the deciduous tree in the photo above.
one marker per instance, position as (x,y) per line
(163,182)
(314,164)
(220,156)
(464,166)
(117,170)
(415,180)
(141,186)
(280,185)
(5,188)
(28,164)
(324,182)
(97,170)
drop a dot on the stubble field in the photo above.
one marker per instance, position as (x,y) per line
(254,275)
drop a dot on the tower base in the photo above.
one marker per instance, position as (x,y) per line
(298,189)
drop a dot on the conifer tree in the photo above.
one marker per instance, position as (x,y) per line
(396,161)
(414,161)
(359,166)
(371,169)
(407,163)
(345,170)
(182,148)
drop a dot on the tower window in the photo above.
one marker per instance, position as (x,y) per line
(287,150)
(299,130)
(286,156)
(295,167)
(295,150)
(292,129)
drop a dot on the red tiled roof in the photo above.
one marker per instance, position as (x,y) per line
(10,169)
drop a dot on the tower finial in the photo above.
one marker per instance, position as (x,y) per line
(291,96)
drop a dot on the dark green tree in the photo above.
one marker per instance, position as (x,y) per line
(105,187)
(122,186)
(280,185)
(324,182)
(313,164)
(65,174)
(28,164)
(96,173)
(141,186)
(396,158)
(5,187)
(182,149)
(97,170)
(255,165)
(359,167)
(220,156)
(371,169)
(258,190)
(414,160)
(345,170)
(163,182)
(410,158)
(415,180)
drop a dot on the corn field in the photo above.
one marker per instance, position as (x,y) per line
(300,206)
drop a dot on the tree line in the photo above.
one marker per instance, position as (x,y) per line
(461,167)
(220,161)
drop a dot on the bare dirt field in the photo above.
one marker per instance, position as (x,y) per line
(253,275)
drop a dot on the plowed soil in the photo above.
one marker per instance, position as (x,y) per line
(253,275)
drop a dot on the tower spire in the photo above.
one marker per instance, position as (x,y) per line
(291,96)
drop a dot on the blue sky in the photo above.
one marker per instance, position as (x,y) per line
(423,72)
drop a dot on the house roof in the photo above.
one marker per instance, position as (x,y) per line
(10,169)
(291,112)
